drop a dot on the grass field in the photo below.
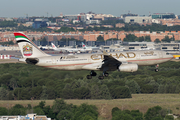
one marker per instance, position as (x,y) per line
(138,102)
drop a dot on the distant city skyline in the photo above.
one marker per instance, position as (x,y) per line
(22,8)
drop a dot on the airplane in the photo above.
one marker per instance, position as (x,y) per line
(89,48)
(123,61)
(63,49)
(67,49)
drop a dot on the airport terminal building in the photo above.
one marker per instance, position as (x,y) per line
(138,19)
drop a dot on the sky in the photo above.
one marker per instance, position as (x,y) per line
(20,8)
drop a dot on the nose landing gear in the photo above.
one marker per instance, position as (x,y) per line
(156,69)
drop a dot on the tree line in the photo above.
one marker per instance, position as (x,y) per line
(60,110)
(128,27)
(8,24)
(24,82)
(133,38)
(154,113)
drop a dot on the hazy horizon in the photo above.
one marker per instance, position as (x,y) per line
(20,8)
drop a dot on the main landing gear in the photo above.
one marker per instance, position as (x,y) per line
(94,74)
(91,74)
(104,74)
(156,69)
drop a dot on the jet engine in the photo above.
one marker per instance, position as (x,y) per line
(32,61)
(128,67)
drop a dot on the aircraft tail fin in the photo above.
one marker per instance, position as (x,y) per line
(83,45)
(54,47)
(27,47)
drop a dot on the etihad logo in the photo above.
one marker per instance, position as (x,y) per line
(117,55)
(27,50)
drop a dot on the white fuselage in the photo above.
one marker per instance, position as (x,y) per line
(77,62)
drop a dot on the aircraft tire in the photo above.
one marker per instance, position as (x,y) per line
(106,74)
(89,77)
(101,77)
(93,73)
(156,70)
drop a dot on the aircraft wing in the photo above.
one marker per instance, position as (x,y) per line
(109,62)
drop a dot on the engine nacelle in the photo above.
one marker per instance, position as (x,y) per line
(32,61)
(128,67)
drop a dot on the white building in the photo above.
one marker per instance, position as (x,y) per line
(138,19)
(27,117)
(139,46)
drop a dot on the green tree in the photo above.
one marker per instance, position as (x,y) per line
(25,93)
(39,111)
(120,92)
(49,112)
(33,39)
(147,89)
(44,39)
(105,94)
(137,114)
(133,86)
(17,110)
(3,93)
(177,89)
(65,115)
(114,110)
(67,92)
(82,93)
(169,117)
(157,40)
(153,113)
(95,92)
(51,93)
(122,115)
(18,106)
(147,38)
(155,85)
(84,110)
(3,111)
(100,38)
(161,89)
(44,94)
(166,39)
(130,38)
(65,29)
(141,39)
(41,104)
(13,83)
(60,105)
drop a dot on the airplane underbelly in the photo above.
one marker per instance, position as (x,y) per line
(65,66)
